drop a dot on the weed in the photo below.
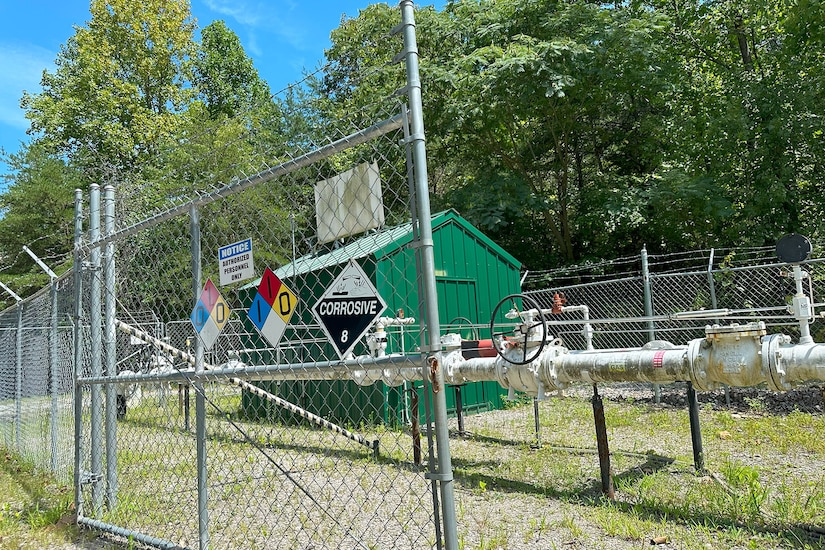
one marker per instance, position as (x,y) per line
(749,494)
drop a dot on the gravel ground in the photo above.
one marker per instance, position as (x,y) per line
(508,496)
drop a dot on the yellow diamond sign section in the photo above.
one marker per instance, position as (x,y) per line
(285,303)
(220,312)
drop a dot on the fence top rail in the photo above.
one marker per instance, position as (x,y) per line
(362,136)
(39,294)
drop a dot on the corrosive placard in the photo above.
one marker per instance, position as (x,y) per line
(235,262)
(348,307)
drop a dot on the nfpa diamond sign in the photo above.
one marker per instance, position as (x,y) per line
(348,307)
(210,314)
(272,307)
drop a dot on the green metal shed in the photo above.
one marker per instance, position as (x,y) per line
(472,274)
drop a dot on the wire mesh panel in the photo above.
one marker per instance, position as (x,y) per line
(616,303)
(36,414)
(8,377)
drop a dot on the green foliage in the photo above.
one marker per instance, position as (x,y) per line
(566,130)
(37,209)
(32,506)
(224,75)
(117,86)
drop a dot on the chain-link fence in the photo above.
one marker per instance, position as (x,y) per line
(232,387)
(36,383)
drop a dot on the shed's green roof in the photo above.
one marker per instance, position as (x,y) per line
(381,244)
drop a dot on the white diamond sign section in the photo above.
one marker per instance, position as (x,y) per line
(348,307)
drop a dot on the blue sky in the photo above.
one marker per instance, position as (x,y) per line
(283,37)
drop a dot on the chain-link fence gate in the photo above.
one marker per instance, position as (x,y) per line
(252,419)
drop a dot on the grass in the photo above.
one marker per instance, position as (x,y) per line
(35,511)
(764,487)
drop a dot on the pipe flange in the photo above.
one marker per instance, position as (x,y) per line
(772,364)
(698,365)
(364,377)
(550,364)
(451,362)
(392,377)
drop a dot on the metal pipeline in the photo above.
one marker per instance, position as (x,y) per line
(735,355)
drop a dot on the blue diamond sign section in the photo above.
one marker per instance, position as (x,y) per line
(348,308)
(210,314)
(272,307)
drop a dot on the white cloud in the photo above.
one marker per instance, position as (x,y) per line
(242,12)
(21,67)
(285,19)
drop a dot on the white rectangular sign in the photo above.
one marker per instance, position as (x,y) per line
(235,261)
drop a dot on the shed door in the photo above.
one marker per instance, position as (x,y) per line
(457,303)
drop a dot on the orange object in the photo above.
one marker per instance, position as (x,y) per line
(477,348)
(558,303)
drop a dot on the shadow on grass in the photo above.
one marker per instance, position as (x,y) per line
(589,494)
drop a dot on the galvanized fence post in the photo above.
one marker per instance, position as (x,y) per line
(200,398)
(53,368)
(111,366)
(96,419)
(18,380)
(77,269)
(52,339)
(18,365)
(651,325)
(427,275)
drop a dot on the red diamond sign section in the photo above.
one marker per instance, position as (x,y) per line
(272,307)
(210,314)
(348,308)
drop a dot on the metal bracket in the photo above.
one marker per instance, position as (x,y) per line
(397,29)
(439,477)
(88,478)
(411,138)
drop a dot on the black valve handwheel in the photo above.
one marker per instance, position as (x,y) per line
(518,338)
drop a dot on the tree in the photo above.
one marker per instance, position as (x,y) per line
(225,76)
(37,210)
(118,85)
(564,97)
(748,116)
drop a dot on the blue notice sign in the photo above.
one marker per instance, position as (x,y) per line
(235,262)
